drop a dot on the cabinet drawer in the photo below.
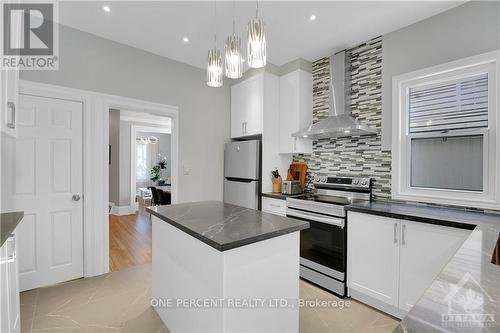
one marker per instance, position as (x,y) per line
(274,206)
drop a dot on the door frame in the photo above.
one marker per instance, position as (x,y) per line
(133,151)
(95,160)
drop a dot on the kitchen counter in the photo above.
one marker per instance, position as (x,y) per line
(465,296)
(220,252)
(280,196)
(8,223)
(225,226)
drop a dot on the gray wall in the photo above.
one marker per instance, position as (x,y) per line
(467,30)
(114,141)
(93,63)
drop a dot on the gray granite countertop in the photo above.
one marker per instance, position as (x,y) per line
(277,195)
(9,222)
(465,296)
(225,226)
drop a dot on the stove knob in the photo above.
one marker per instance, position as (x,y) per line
(355,181)
(323,179)
(364,182)
(317,179)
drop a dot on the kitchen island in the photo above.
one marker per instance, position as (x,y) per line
(224,268)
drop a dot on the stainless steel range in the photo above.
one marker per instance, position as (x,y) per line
(323,246)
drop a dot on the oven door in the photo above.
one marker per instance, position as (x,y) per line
(323,245)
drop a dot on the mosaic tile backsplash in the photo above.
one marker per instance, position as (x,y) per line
(361,155)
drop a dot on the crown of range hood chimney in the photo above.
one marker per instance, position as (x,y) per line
(338,123)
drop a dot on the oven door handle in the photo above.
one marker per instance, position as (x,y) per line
(316,217)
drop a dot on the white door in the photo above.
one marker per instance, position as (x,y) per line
(254,105)
(425,250)
(238,110)
(373,256)
(46,182)
(247,103)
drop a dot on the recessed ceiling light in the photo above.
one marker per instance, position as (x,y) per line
(106,9)
(185,40)
(312,17)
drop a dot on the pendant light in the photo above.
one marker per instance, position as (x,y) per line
(256,47)
(214,65)
(233,60)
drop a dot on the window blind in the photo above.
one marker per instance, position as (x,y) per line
(459,104)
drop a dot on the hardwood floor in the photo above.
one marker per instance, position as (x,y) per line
(129,240)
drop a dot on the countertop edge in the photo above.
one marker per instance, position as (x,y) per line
(11,227)
(229,246)
(412,217)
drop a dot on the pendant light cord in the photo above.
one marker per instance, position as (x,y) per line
(234,15)
(215,23)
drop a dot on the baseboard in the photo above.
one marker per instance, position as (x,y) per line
(122,210)
(377,304)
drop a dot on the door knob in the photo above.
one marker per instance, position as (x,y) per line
(75,197)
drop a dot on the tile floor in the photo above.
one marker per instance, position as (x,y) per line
(119,302)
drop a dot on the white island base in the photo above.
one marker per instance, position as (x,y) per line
(188,274)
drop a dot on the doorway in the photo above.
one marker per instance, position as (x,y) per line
(140,157)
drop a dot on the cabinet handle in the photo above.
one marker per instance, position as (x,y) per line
(275,205)
(12,108)
(295,144)
(395,233)
(245,127)
(403,237)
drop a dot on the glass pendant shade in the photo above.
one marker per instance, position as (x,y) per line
(256,46)
(233,61)
(214,68)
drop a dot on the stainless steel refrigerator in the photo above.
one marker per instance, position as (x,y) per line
(242,173)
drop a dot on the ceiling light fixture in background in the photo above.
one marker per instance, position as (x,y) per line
(312,17)
(233,60)
(185,40)
(214,65)
(256,47)
(107,9)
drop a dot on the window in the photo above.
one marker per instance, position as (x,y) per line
(444,134)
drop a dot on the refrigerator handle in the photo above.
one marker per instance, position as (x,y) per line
(240,180)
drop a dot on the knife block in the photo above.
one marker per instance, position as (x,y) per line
(277,184)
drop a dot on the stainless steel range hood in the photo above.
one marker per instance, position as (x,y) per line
(338,123)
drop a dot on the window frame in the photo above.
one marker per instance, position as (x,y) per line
(489,198)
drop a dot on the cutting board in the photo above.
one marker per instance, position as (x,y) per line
(298,171)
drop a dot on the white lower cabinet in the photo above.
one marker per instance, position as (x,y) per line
(391,262)
(10,320)
(274,206)
(373,256)
(425,250)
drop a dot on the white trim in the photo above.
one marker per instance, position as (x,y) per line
(489,198)
(95,177)
(133,160)
(122,210)
(145,118)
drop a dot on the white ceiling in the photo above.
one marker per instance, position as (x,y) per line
(159,26)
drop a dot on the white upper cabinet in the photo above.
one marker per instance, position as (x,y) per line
(247,106)
(296,92)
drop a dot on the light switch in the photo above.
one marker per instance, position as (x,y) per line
(185,169)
